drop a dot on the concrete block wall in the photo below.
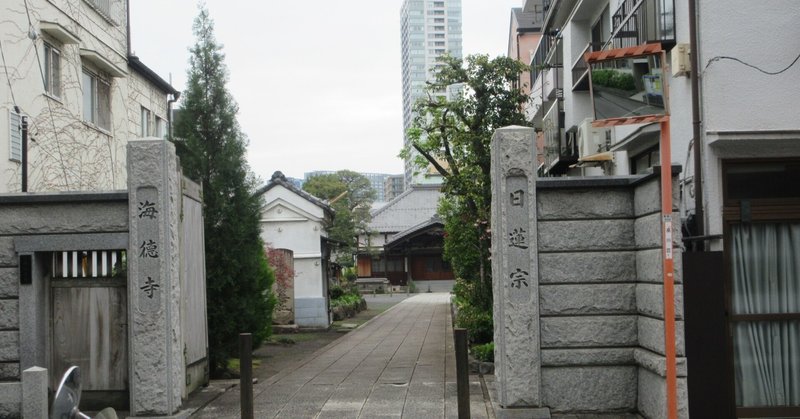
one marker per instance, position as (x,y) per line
(600,293)
(650,356)
(311,312)
(588,311)
(10,404)
(39,218)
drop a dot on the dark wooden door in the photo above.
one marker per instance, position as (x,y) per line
(706,335)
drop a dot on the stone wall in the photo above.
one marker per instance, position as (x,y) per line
(587,276)
(28,220)
(577,283)
(37,226)
(649,355)
(602,327)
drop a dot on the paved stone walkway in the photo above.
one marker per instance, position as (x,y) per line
(400,364)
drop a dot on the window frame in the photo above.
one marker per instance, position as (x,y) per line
(52,82)
(762,210)
(146,122)
(96,117)
(160,127)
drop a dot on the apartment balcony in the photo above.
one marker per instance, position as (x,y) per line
(547,68)
(560,147)
(556,13)
(546,77)
(638,22)
(580,69)
(533,109)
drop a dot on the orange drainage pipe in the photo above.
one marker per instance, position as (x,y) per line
(668,270)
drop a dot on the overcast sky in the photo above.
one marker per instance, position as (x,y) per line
(318,83)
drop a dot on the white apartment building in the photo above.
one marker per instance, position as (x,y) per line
(67,70)
(429,29)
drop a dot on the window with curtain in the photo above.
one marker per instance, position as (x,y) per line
(766,313)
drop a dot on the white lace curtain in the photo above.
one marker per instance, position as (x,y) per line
(766,280)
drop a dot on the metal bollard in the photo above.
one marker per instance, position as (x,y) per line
(462,372)
(246,374)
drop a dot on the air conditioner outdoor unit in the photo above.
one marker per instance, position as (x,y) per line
(593,140)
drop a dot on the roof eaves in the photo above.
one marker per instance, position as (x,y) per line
(279,179)
(138,66)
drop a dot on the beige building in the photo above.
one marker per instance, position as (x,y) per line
(525,30)
(67,71)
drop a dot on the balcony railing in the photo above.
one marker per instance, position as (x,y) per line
(580,70)
(638,22)
(560,149)
(539,56)
(547,57)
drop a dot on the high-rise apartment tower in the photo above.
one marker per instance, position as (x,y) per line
(429,29)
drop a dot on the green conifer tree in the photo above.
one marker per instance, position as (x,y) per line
(212,149)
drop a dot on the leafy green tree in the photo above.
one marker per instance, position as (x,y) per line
(351,196)
(212,149)
(454,135)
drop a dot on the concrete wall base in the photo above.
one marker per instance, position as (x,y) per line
(501,412)
(522,413)
(311,312)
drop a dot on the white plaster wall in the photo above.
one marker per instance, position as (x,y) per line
(280,193)
(764,34)
(308,278)
(377,240)
(577,105)
(739,98)
(299,236)
(67,153)
(290,221)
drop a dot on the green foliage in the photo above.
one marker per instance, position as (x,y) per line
(212,151)
(351,195)
(613,78)
(483,353)
(345,300)
(454,135)
(477,322)
(335,292)
(350,274)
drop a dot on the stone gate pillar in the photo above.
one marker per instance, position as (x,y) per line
(515,270)
(156,356)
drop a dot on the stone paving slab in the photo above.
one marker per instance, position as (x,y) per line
(400,364)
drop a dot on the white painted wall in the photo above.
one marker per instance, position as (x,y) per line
(742,99)
(289,221)
(308,279)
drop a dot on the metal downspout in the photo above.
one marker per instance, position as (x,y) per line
(699,213)
(174,99)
